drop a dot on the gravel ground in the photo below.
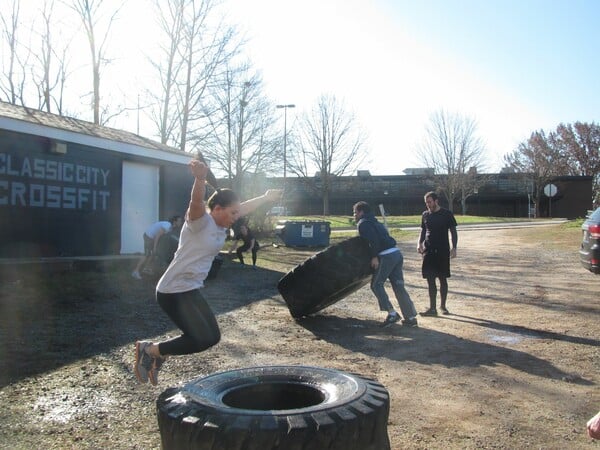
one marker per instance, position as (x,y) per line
(516,365)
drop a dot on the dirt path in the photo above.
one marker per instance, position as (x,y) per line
(516,365)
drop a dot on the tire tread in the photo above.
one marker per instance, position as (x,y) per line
(326,277)
(360,423)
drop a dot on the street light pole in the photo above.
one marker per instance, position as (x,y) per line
(285,108)
(240,139)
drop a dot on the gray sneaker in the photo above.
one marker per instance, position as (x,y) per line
(391,318)
(410,322)
(156,366)
(143,361)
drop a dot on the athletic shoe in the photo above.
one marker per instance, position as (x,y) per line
(143,361)
(429,312)
(153,373)
(135,274)
(410,322)
(391,318)
(445,311)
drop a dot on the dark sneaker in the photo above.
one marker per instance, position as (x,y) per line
(143,361)
(445,311)
(390,319)
(153,373)
(429,312)
(410,322)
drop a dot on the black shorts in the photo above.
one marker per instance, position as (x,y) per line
(148,245)
(246,246)
(436,263)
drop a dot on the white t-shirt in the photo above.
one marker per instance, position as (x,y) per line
(153,229)
(200,241)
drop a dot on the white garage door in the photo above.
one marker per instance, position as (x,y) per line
(139,204)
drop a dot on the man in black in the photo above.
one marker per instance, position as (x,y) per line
(243,233)
(435,248)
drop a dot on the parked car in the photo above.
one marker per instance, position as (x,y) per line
(278,211)
(590,242)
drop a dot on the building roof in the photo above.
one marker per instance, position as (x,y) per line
(40,123)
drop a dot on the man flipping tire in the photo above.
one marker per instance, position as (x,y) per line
(386,261)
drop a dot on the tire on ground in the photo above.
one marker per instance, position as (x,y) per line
(326,277)
(275,407)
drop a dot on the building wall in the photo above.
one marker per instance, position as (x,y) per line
(500,195)
(573,198)
(69,204)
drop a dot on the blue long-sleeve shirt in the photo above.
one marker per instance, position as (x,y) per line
(375,233)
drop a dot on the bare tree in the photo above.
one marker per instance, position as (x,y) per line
(455,152)
(12,81)
(579,145)
(331,143)
(241,138)
(195,52)
(539,158)
(165,113)
(50,72)
(97,22)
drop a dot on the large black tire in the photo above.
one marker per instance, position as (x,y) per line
(326,277)
(275,407)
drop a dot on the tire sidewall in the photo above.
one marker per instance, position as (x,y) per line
(338,388)
(351,413)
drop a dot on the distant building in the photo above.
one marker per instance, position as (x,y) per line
(419,171)
(500,195)
(72,188)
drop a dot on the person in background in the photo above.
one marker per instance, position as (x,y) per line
(178,290)
(386,261)
(249,242)
(151,238)
(434,246)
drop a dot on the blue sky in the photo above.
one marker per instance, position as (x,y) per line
(538,49)
(514,66)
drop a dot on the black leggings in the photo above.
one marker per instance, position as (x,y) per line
(433,291)
(244,248)
(190,312)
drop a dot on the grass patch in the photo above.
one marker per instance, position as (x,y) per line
(563,236)
(343,222)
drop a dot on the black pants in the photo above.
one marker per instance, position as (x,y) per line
(190,312)
(246,247)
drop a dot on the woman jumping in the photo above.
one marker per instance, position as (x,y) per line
(178,291)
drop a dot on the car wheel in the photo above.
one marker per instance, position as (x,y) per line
(326,277)
(275,407)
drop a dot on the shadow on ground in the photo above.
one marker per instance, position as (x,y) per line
(50,319)
(432,346)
